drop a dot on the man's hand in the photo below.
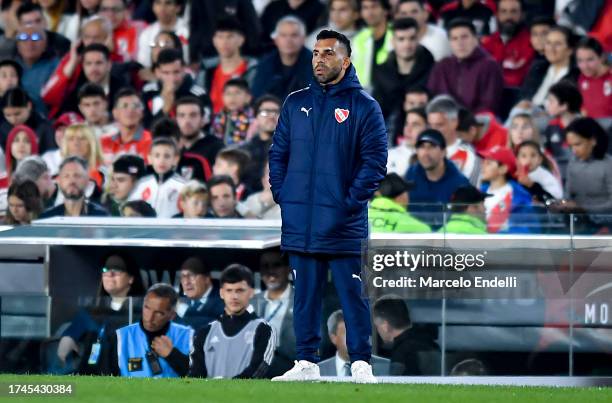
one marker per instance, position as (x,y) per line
(66,345)
(167,95)
(162,345)
(73,59)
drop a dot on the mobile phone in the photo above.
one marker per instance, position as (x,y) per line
(154,364)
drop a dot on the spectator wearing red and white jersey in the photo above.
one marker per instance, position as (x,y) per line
(443,115)
(125,31)
(132,138)
(510,45)
(162,188)
(167,14)
(470,75)
(595,80)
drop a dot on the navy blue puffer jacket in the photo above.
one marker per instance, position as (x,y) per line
(328,156)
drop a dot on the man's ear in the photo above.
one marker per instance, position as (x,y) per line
(346,62)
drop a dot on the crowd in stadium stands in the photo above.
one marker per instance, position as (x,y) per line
(167,108)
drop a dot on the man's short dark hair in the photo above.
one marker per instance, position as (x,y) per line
(417,89)
(237,82)
(73,159)
(165,127)
(588,42)
(418,111)
(28,7)
(165,141)
(169,55)
(266,98)
(229,25)
(236,156)
(567,94)
(221,180)
(124,93)
(393,310)
(97,47)
(191,100)
(341,38)
(461,23)
(235,273)
(542,20)
(91,90)
(404,24)
(162,290)
(141,207)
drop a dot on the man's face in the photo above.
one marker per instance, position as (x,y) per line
(430,156)
(163,158)
(227,43)
(443,124)
(31,43)
(373,13)
(236,297)
(94,109)
(17,115)
(156,312)
(289,40)
(414,10)
(93,33)
(339,339)
(96,67)
(194,285)
(33,19)
(342,15)
(45,185)
(171,74)
(128,111)
(8,79)
(274,271)
(121,184)
(405,43)
(73,181)
(462,42)
(222,200)
(166,11)
(415,100)
(538,37)
(114,11)
(329,60)
(384,330)
(508,16)
(267,117)
(189,119)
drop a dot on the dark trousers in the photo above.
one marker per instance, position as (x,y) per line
(310,275)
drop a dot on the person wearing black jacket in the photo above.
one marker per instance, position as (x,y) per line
(413,351)
(238,344)
(407,66)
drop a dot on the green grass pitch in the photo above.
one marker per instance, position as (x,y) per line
(121,390)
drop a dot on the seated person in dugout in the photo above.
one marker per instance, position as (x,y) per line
(239,344)
(155,346)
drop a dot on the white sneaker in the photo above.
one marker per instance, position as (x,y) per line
(302,371)
(362,372)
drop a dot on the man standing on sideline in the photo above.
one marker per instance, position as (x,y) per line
(327,158)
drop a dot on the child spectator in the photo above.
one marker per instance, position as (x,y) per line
(231,162)
(232,124)
(21,143)
(595,80)
(535,173)
(138,208)
(53,158)
(24,203)
(161,189)
(193,200)
(509,208)
(127,170)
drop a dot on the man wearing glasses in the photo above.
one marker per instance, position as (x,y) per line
(132,137)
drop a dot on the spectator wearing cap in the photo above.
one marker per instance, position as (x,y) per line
(467,212)
(434,176)
(470,75)
(119,280)
(10,75)
(127,170)
(511,45)
(230,63)
(167,14)
(203,303)
(482,131)
(387,212)
(53,158)
(509,209)
(73,179)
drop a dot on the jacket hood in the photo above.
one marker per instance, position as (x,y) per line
(348,82)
